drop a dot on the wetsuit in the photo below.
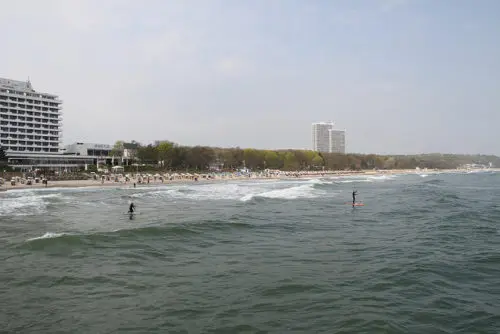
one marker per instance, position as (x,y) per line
(131,208)
(354,197)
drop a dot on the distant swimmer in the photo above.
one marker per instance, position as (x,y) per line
(131,208)
(354,197)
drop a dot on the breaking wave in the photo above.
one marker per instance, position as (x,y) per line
(26,203)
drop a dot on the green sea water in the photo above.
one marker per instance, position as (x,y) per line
(289,256)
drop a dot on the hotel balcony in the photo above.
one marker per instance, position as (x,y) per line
(47,111)
(33,145)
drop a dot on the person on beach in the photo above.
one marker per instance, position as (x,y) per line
(354,197)
(131,207)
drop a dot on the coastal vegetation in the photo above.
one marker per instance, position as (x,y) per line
(167,155)
(3,160)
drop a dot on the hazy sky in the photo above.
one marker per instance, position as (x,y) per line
(401,76)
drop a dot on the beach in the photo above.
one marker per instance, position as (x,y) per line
(175,178)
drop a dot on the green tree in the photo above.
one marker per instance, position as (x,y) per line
(165,153)
(272,160)
(148,154)
(3,157)
(178,157)
(390,163)
(231,157)
(199,157)
(290,162)
(318,161)
(253,158)
(117,149)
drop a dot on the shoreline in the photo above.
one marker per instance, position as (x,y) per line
(218,178)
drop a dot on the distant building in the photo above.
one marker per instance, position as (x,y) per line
(30,121)
(130,150)
(101,154)
(88,149)
(31,128)
(327,139)
(337,141)
(321,136)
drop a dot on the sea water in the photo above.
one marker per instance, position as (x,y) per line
(255,256)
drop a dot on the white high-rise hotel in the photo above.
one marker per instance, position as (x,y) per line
(30,122)
(327,139)
(31,132)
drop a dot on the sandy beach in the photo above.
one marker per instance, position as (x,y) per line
(211,177)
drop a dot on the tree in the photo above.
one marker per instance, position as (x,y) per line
(117,149)
(318,161)
(253,158)
(390,163)
(232,157)
(199,157)
(179,157)
(3,157)
(272,160)
(165,153)
(148,154)
(290,162)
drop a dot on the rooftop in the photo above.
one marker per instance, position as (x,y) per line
(323,123)
(17,85)
(22,86)
(130,146)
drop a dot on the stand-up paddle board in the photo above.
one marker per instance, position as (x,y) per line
(355,204)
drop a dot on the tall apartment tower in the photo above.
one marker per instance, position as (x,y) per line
(337,141)
(327,139)
(321,136)
(30,121)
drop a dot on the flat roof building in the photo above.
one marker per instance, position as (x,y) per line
(88,149)
(326,139)
(336,141)
(321,136)
(30,121)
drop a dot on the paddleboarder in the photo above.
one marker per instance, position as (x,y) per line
(131,207)
(354,197)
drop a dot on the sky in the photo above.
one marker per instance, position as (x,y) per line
(400,76)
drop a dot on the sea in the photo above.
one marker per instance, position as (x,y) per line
(255,256)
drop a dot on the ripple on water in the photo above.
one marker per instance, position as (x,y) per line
(265,257)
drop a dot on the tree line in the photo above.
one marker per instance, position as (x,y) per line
(171,156)
(3,160)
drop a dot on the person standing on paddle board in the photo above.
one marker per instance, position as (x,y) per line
(354,197)
(131,207)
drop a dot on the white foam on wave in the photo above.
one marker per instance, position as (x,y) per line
(48,235)
(294,192)
(289,189)
(157,193)
(319,181)
(363,178)
(25,203)
(382,177)
(352,181)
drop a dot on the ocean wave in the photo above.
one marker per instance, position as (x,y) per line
(187,229)
(48,235)
(26,203)
(244,191)
(302,191)
(434,182)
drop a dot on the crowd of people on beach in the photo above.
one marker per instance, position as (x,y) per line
(143,178)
